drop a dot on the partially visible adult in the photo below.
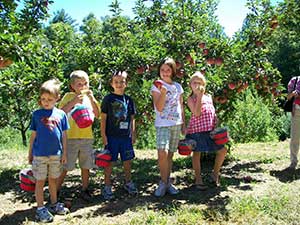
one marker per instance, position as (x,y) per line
(294,91)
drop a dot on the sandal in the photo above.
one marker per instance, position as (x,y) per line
(214,181)
(200,187)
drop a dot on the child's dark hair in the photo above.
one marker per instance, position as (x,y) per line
(122,73)
(170,62)
(51,87)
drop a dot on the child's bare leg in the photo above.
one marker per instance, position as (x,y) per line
(107,174)
(61,179)
(127,170)
(39,192)
(163,165)
(85,175)
(197,167)
(170,163)
(219,162)
(53,189)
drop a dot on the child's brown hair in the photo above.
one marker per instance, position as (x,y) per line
(170,62)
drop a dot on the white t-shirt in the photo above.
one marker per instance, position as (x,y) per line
(172,113)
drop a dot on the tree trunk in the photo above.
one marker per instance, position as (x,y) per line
(24,139)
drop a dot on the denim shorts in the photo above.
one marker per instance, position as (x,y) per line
(167,138)
(122,146)
(204,142)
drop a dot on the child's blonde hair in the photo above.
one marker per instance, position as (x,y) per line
(200,76)
(51,87)
(78,74)
(171,63)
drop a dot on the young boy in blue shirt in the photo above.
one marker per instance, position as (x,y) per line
(118,131)
(47,150)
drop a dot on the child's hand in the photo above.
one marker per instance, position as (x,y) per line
(163,90)
(104,140)
(64,159)
(30,158)
(78,99)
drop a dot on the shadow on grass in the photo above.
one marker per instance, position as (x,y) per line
(146,176)
(286,175)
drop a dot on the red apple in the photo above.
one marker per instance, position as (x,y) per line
(231,86)
(201,45)
(259,43)
(178,65)
(210,61)
(188,57)
(140,70)
(219,61)
(222,99)
(205,52)
(158,83)
(275,84)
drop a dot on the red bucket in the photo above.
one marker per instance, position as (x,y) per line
(220,136)
(102,158)
(27,180)
(186,146)
(82,116)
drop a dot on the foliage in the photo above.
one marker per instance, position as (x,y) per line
(285,51)
(188,31)
(252,120)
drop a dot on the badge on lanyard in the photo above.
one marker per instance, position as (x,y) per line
(123,125)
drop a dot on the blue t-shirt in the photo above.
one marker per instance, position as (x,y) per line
(119,109)
(49,126)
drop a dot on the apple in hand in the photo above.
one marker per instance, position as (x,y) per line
(158,83)
(201,88)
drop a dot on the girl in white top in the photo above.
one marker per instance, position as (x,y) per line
(169,123)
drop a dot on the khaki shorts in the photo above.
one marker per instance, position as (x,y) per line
(81,149)
(167,138)
(46,165)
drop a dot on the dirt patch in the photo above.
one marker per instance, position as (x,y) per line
(249,169)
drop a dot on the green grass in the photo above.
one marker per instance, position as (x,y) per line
(270,197)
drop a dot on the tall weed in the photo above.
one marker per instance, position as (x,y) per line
(252,121)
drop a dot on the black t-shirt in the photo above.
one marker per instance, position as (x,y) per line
(119,109)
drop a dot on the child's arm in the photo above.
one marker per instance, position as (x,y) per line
(133,131)
(103,128)
(159,99)
(182,115)
(31,140)
(68,107)
(64,144)
(94,103)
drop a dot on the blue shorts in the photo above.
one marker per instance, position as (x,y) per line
(204,142)
(123,146)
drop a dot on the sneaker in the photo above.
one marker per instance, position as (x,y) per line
(86,195)
(107,193)
(130,188)
(59,209)
(43,215)
(172,190)
(292,166)
(161,189)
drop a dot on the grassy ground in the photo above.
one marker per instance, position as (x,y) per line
(255,189)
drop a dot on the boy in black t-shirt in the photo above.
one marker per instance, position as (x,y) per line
(118,131)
